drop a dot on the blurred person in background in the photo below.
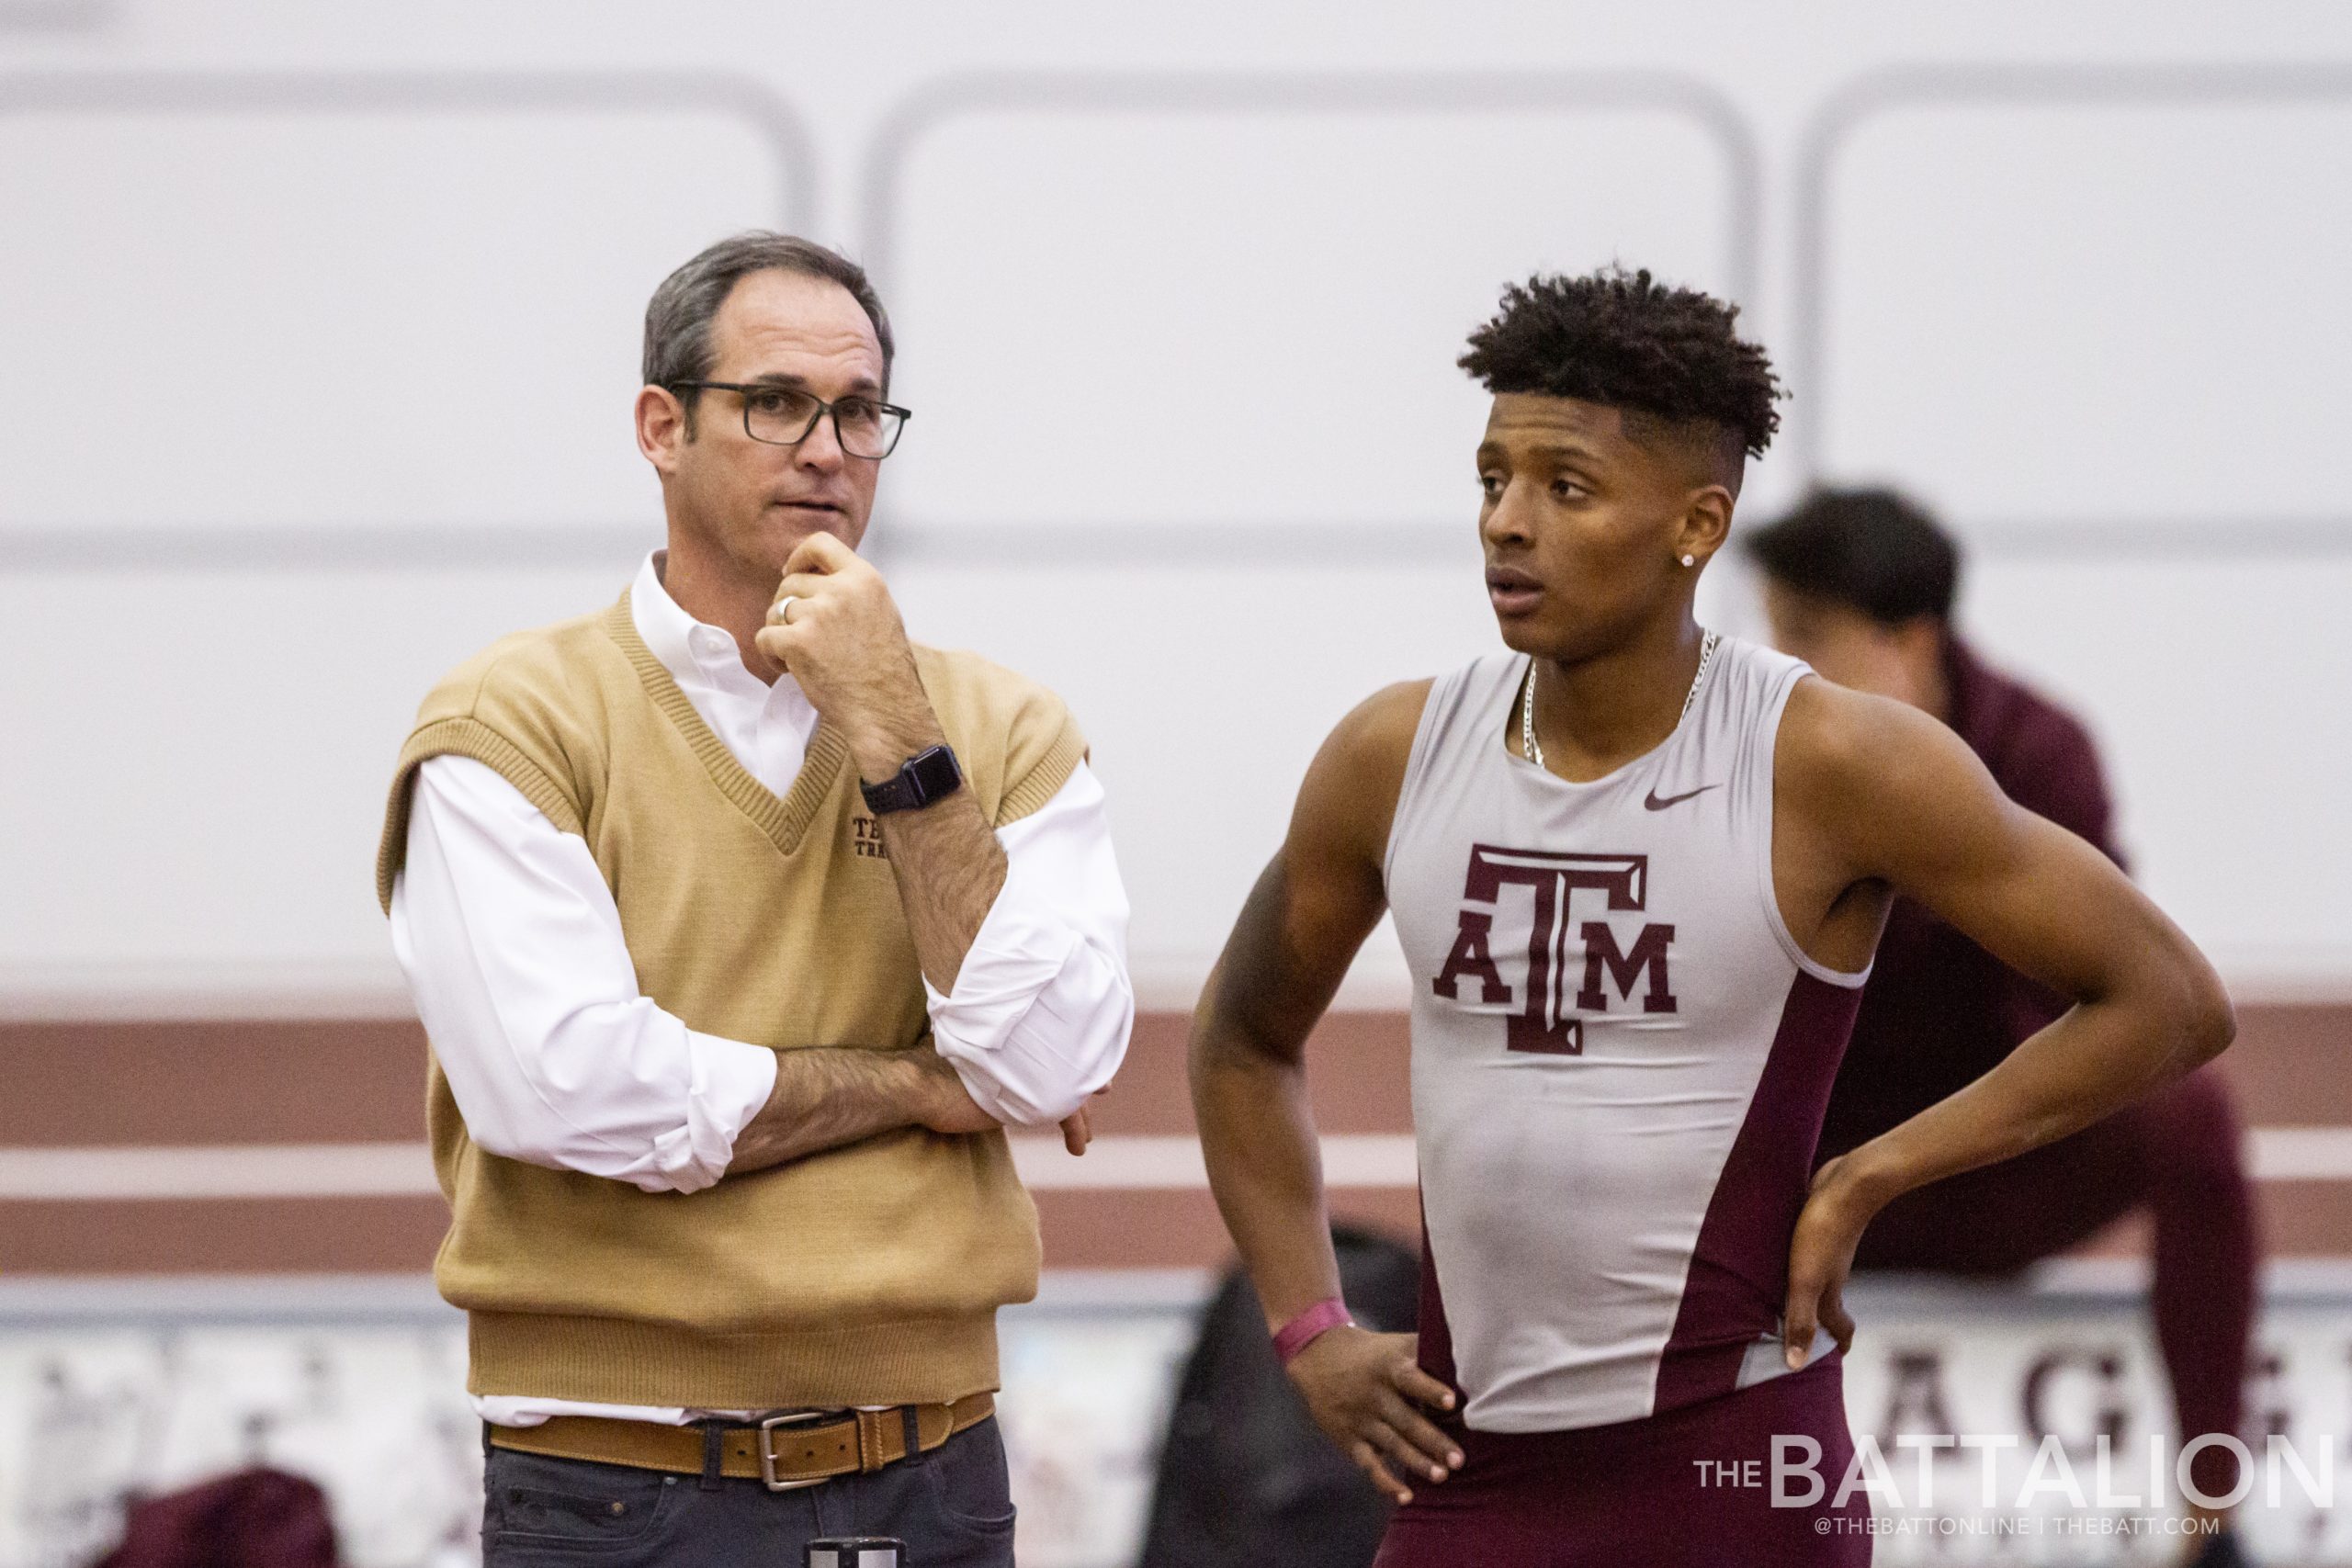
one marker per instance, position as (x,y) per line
(741,927)
(1861,584)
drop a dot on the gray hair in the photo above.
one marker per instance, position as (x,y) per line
(678,318)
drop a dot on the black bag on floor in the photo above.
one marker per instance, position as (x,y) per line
(1246,1477)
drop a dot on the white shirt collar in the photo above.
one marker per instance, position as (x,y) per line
(688,649)
(764,726)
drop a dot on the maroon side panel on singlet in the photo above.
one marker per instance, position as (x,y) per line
(1437,1339)
(1739,1273)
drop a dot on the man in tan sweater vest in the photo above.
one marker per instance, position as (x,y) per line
(740,927)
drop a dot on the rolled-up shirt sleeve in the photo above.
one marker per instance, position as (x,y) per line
(1042,1005)
(513,951)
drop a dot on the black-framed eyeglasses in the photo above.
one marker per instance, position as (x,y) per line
(785,416)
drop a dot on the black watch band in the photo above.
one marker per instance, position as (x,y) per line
(929,775)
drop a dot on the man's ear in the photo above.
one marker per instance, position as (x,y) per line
(1706,524)
(661,428)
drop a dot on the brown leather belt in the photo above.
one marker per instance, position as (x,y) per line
(787,1452)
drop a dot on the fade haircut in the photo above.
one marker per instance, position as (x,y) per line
(1627,342)
(678,317)
(1871,550)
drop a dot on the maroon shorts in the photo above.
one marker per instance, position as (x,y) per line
(1692,1486)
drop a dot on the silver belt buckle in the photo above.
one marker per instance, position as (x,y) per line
(799,1418)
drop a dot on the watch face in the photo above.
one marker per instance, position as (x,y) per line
(935,775)
(929,775)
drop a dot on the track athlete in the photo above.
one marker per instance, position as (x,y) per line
(1638,872)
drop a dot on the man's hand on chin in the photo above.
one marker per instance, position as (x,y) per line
(836,630)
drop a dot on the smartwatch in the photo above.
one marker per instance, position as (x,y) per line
(929,775)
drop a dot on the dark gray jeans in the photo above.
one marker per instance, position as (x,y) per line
(953,1506)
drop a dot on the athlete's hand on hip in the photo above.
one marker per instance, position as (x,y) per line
(1821,1255)
(1361,1388)
(836,630)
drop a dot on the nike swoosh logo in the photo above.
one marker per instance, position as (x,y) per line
(1653,802)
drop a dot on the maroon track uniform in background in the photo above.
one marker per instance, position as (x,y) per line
(1939,1013)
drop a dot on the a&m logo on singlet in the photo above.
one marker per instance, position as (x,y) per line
(1546,1018)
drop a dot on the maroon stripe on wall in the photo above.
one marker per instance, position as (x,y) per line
(1083,1229)
(2291,1067)
(279,1082)
(68,1085)
(104,1085)
(1356,1075)
(1143,1229)
(1182,1230)
(2301,1219)
(223,1236)
(345,1082)
(85,1085)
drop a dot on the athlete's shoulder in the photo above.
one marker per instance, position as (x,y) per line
(1349,796)
(1382,728)
(1834,731)
(1869,764)
(1379,729)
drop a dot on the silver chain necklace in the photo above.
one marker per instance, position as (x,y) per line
(1534,753)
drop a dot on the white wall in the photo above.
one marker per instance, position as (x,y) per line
(318,329)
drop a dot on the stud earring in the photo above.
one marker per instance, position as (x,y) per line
(1690,561)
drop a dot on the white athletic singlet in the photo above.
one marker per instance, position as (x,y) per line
(1621,1057)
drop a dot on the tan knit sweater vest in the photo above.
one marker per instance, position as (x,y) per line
(867,1275)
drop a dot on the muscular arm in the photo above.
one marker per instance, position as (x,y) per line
(522,972)
(1874,795)
(1310,912)
(949,869)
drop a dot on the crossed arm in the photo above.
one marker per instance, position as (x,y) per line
(949,868)
(514,951)
(950,871)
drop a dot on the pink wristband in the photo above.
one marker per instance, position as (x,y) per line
(1302,1331)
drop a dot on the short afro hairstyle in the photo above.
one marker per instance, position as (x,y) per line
(1628,342)
(1871,550)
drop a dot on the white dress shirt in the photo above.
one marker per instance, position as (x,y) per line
(514,950)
